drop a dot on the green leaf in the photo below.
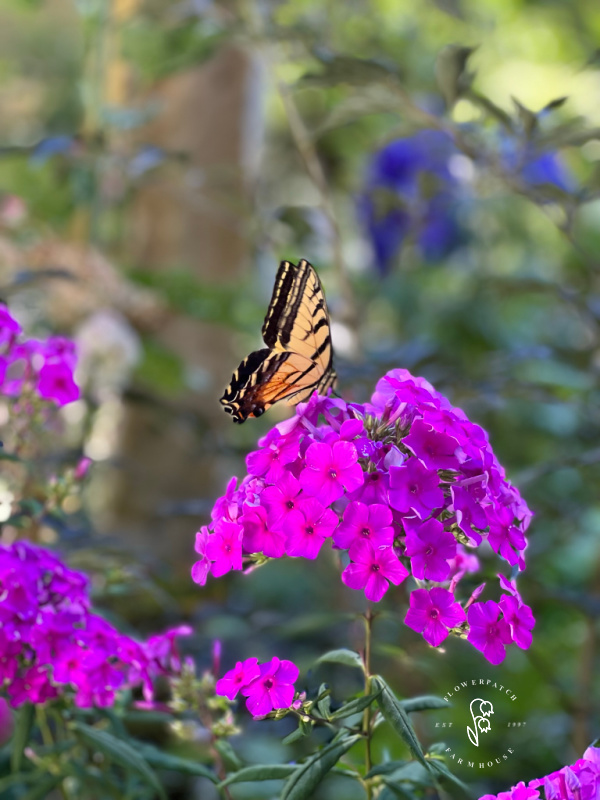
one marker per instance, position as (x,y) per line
(161,760)
(355,706)
(119,751)
(20,777)
(303,729)
(308,776)
(392,791)
(397,717)
(446,776)
(324,701)
(260,772)
(228,754)
(42,789)
(451,72)
(21,735)
(386,768)
(347,657)
(424,703)
(8,456)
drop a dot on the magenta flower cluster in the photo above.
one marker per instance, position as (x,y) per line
(29,365)
(402,485)
(579,781)
(51,643)
(266,686)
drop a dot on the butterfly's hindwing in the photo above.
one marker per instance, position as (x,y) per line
(298,358)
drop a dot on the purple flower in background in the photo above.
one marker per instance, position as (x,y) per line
(273,688)
(488,632)
(52,643)
(308,527)
(432,613)
(430,547)
(413,487)
(361,521)
(46,367)
(373,570)
(241,675)
(331,469)
(411,191)
(55,382)
(9,327)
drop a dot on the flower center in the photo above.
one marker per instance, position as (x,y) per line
(434,613)
(366,532)
(429,551)
(309,529)
(375,567)
(269,683)
(228,548)
(492,630)
(332,474)
(413,489)
(290,504)
(374,476)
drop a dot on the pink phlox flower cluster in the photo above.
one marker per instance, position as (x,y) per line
(266,687)
(579,781)
(51,642)
(405,485)
(45,367)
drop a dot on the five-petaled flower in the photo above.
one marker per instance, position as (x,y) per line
(373,569)
(273,688)
(433,613)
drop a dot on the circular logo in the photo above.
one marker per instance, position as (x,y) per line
(481,728)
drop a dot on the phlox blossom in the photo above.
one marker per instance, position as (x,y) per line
(432,613)
(487,632)
(373,569)
(273,688)
(308,527)
(362,521)
(241,675)
(331,469)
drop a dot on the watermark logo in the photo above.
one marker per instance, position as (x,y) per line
(480,726)
(481,722)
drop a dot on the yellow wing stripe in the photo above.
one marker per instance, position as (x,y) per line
(298,358)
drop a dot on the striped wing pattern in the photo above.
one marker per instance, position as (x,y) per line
(298,358)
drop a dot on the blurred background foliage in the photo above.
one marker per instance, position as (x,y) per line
(157,160)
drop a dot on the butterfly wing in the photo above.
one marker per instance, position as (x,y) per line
(298,358)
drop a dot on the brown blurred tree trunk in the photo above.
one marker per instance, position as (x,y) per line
(191,216)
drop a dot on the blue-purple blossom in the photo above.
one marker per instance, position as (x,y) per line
(415,190)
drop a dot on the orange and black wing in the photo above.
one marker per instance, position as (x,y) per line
(298,358)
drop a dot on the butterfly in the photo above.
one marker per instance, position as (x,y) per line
(298,357)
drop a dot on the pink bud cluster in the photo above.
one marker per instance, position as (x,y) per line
(44,368)
(402,485)
(579,781)
(267,686)
(51,643)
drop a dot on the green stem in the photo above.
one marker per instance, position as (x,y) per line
(368,617)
